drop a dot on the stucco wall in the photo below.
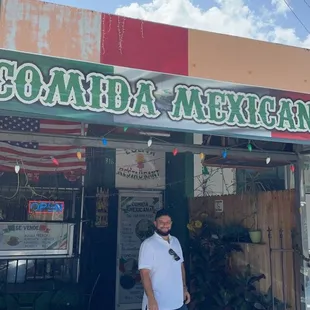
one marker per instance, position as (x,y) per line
(44,28)
(34,26)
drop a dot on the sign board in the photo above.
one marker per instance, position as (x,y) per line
(219,206)
(96,93)
(135,223)
(35,238)
(43,210)
(141,169)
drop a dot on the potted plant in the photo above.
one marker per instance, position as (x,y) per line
(268,302)
(255,233)
(235,232)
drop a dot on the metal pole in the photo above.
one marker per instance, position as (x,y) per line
(78,271)
(301,239)
(282,267)
(270,265)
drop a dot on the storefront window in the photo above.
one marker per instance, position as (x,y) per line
(39,207)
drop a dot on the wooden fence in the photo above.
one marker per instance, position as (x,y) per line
(274,210)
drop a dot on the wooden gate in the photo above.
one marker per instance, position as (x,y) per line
(272,213)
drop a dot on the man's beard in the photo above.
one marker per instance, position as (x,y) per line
(162,233)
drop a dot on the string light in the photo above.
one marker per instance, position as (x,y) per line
(125,129)
(250,148)
(175,151)
(268,159)
(17,168)
(79,155)
(202,156)
(149,142)
(103,35)
(121,31)
(55,161)
(104,141)
(205,170)
(292,168)
(224,153)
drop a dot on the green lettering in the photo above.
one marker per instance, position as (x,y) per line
(187,104)
(144,100)
(303,115)
(29,81)
(95,91)
(285,115)
(252,110)
(65,88)
(7,70)
(118,95)
(216,102)
(236,116)
(266,106)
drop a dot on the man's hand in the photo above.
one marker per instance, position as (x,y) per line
(187,297)
(152,304)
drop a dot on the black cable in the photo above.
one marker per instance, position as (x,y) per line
(307,4)
(296,16)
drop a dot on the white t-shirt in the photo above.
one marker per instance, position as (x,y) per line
(165,271)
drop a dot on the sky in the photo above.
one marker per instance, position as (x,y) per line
(267,20)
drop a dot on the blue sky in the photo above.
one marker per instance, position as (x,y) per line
(265,19)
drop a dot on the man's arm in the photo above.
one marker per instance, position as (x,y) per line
(184,277)
(187,296)
(147,283)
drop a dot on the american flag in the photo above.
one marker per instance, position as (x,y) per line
(38,157)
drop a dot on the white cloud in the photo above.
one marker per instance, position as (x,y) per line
(281,6)
(232,17)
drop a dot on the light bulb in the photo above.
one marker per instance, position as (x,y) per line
(125,129)
(202,156)
(175,151)
(205,170)
(250,147)
(104,141)
(292,168)
(79,155)
(55,161)
(268,159)
(149,142)
(17,168)
(224,154)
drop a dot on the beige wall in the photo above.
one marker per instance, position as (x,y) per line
(251,62)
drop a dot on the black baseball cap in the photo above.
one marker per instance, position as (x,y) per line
(162,212)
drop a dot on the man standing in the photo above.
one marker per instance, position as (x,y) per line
(162,269)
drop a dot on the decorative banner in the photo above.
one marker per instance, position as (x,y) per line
(102,208)
(50,87)
(140,169)
(35,238)
(135,224)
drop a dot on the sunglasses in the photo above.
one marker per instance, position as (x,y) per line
(175,255)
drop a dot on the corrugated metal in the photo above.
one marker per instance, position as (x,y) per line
(38,27)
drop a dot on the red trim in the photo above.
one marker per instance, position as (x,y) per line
(295,96)
(145,45)
(290,135)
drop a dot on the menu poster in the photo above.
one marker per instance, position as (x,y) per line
(34,236)
(136,216)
